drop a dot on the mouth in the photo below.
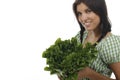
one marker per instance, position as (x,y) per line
(87,24)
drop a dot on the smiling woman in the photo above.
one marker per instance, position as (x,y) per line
(67,21)
(28,27)
(95,27)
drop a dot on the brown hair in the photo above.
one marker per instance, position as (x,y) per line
(98,7)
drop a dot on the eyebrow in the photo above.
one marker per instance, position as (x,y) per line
(85,10)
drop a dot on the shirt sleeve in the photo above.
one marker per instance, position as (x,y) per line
(111,50)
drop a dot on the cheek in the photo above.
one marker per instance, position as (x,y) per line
(97,21)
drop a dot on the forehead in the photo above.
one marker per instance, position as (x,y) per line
(81,7)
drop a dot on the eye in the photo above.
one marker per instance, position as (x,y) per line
(79,13)
(88,11)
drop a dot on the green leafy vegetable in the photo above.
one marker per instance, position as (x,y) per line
(66,57)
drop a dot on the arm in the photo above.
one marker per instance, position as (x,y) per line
(116,69)
(91,74)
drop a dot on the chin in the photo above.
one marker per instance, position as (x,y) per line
(89,29)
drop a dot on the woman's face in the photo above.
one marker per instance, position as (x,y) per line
(87,17)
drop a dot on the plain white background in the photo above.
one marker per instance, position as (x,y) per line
(28,27)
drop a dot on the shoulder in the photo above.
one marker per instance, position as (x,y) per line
(110,51)
(112,40)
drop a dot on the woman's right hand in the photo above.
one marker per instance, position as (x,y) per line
(59,77)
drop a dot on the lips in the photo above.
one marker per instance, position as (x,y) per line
(87,24)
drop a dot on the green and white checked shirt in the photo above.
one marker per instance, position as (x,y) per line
(108,52)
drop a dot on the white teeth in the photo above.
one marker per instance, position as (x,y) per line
(87,24)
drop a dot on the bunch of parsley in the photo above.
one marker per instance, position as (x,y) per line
(66,57)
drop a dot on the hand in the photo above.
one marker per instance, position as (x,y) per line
(84,73)
(59,77)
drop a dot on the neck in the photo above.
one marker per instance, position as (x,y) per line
(95,33)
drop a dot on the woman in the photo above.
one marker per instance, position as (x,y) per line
(96,28)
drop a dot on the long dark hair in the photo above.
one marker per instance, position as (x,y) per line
(98,7)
